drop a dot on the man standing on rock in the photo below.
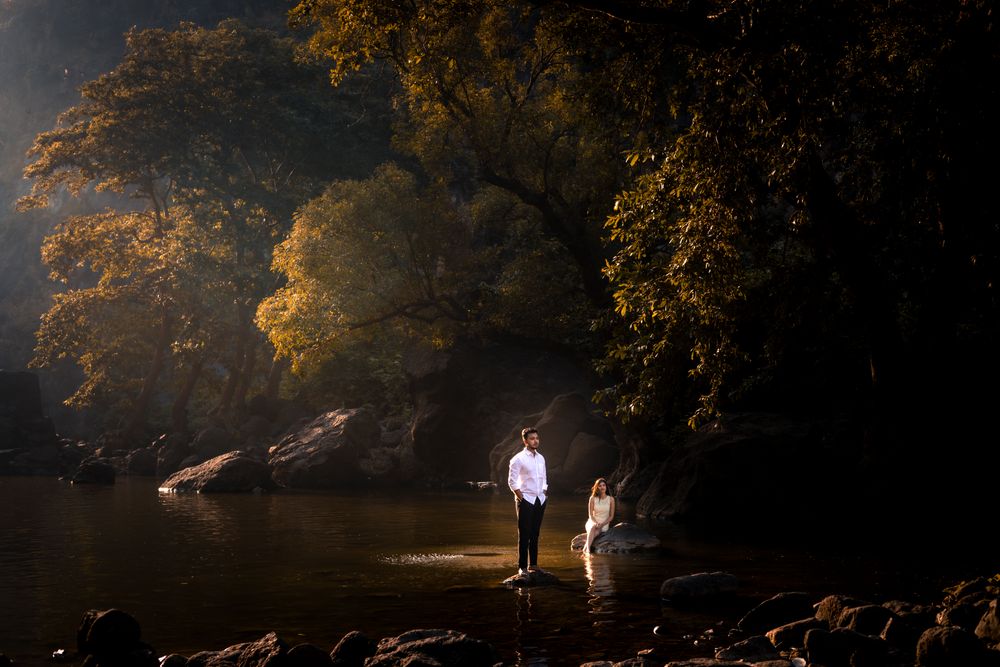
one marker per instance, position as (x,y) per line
(528,481)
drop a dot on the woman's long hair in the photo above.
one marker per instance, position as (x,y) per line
(593,490)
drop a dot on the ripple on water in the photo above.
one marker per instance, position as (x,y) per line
(418,559)
(466,556)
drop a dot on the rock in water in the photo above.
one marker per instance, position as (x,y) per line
(433,647)
(620,538)
(232,472)
(698,585)
(531,579)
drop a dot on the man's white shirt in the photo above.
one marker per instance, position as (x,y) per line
(527,475)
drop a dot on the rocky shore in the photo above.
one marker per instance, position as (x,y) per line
(791,629)
(795,629)
(113,638)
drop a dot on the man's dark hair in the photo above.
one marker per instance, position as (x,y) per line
(525,432)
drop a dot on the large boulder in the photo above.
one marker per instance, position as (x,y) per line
(775,466)
(776,611)
(844,647)
(754,649)
(949,646)
(468,398)
(268,651)
(793,635)
(830,608)
(307,655)
(328,452)
(212,441)
(698,586)
(352,650)
(231,472)
(95,470)
(171,451)
(988,628)
(620,538)
(141,462)
(868,619)
(111,638)
(578,445)
(433,647)
(908,623)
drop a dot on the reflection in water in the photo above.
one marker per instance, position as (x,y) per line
(600,589)
(525,628)
(598,570)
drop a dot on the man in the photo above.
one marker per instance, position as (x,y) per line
(527,479)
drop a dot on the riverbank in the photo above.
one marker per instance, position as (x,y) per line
(791,629)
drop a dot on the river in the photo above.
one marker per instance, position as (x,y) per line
(207,571)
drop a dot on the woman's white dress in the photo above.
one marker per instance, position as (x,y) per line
(602,509)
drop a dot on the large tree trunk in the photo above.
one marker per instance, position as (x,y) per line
(246,373)
(278,367)
(567,228)
(239,359)
(178,413)
(140,409)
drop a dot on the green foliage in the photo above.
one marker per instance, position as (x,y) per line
(491,95)
(213,133)
(789,228)
(108,334)
(363,253)
(534,290)
(388,253)
(749,203)
(358,371)
(47,49)
(801,211)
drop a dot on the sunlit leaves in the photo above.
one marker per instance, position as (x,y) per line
(217,135)
(491,93)
(367,252)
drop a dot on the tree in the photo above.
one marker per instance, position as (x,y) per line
(362,254)
(392,258)
(818,151)
(491,98)
(215,135)
(803,207)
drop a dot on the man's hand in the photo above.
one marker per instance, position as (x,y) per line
(518,494)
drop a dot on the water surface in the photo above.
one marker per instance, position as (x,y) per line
(207,571)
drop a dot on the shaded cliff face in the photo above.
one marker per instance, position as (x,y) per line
(468,399)
(23,424)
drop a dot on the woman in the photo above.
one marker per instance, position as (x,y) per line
(600,512)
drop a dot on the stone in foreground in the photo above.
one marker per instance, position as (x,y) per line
(531,579)
(698,585)
(433,647)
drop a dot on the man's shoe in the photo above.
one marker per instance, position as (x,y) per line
(533,568)
(521,572)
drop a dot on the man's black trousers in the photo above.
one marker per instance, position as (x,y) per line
(529,523)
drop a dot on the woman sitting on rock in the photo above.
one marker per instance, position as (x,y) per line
(600,512)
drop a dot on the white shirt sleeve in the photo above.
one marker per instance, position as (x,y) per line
(513,478)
